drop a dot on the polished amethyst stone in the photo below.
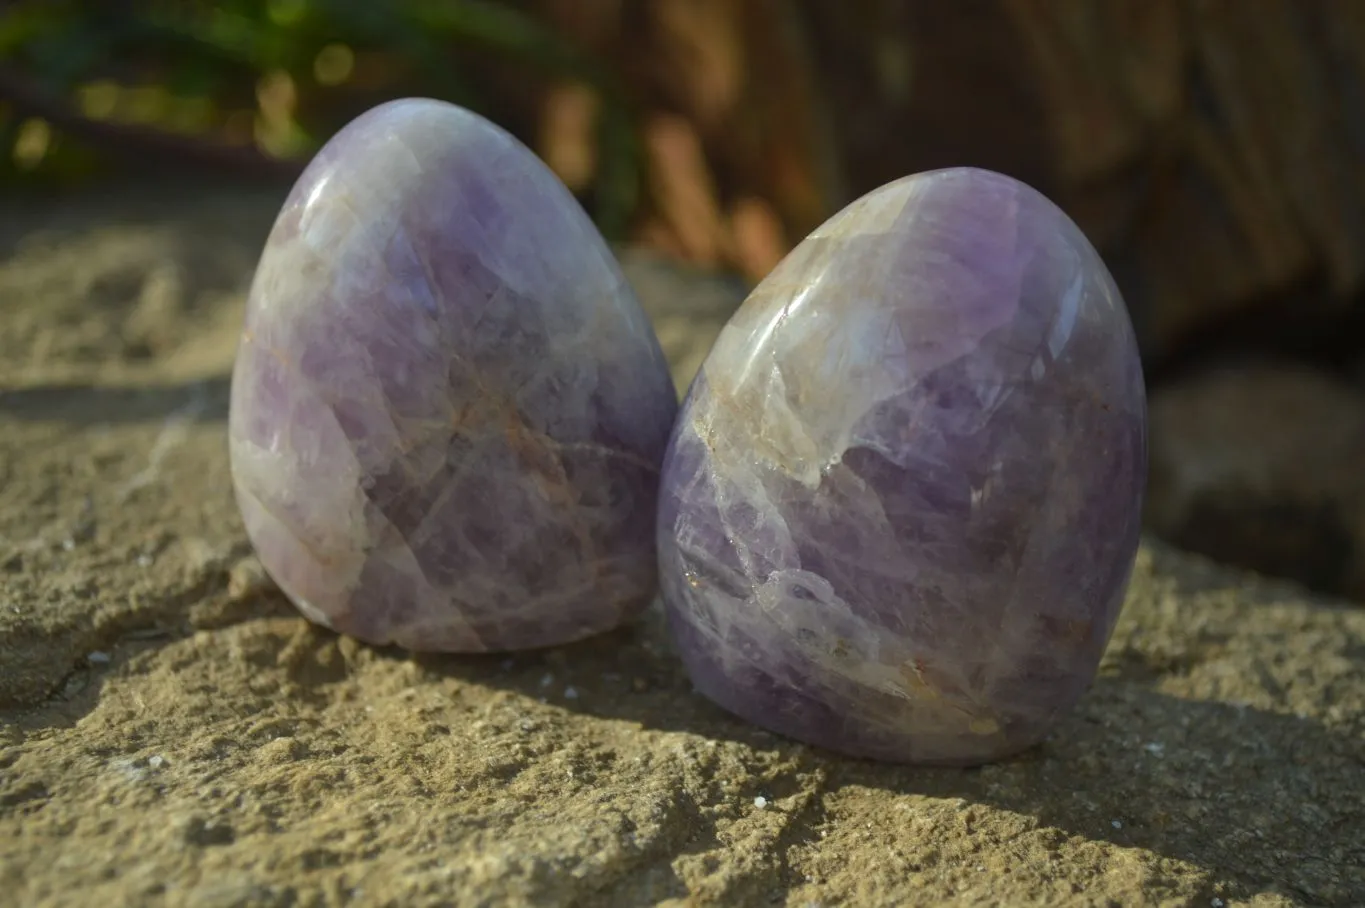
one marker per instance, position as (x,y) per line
(901,503)
(448,409)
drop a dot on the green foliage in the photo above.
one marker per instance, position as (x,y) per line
(268,73)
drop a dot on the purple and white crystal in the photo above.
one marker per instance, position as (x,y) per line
(448,409)
(901,502)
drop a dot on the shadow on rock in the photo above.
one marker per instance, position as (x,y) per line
(80,404)
(1232,789)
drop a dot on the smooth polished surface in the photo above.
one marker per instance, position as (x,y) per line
(448,409)
(901,503)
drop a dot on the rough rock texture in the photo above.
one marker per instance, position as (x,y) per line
(903,497)
(1262,464)
(171,733)
(448,410)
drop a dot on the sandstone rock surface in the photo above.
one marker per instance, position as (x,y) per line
(1258,463)
(171,733)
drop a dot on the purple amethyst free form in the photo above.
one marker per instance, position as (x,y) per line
(448,410)
(901,503)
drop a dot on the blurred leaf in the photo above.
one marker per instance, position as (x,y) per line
(228,36)
(507,30)
(192,67)
(194,78)
(67,54)
(286,12)
(363,24)
(23,23)
(618,193)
